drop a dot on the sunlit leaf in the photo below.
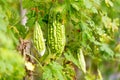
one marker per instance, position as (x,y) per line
(106,48)
(109,3)
(75,6)
(87,4)
(117,48)
(99,75)
(81,60)
(94,10)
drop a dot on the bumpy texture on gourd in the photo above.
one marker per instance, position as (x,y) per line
(56,37)
(38,39)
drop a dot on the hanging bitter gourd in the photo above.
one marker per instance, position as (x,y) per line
(38,39)
(56,37)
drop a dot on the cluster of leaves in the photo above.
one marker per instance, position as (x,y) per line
(92,35)
(90,27)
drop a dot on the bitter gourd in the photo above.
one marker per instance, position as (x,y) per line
(38,39)
(56,37)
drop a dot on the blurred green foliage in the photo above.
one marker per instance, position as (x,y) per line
(11,62)
(11,65)
(93,26)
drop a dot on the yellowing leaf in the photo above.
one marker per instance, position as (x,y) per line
(99,75)
(115,25)
(105,38)
(109,3)
(82,60)
(29,66)
(14,29)
(117,48)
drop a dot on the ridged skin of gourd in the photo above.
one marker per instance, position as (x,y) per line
(38,39)
(56,37)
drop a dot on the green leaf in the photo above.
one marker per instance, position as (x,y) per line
(87,4)
(53,71)
(22,30)
(94,10)
(75,6)
(30,22)
(68,55)
(47,74)
(57,70)
(106,48)
(3,20)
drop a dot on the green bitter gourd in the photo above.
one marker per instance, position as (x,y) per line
(38,39)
